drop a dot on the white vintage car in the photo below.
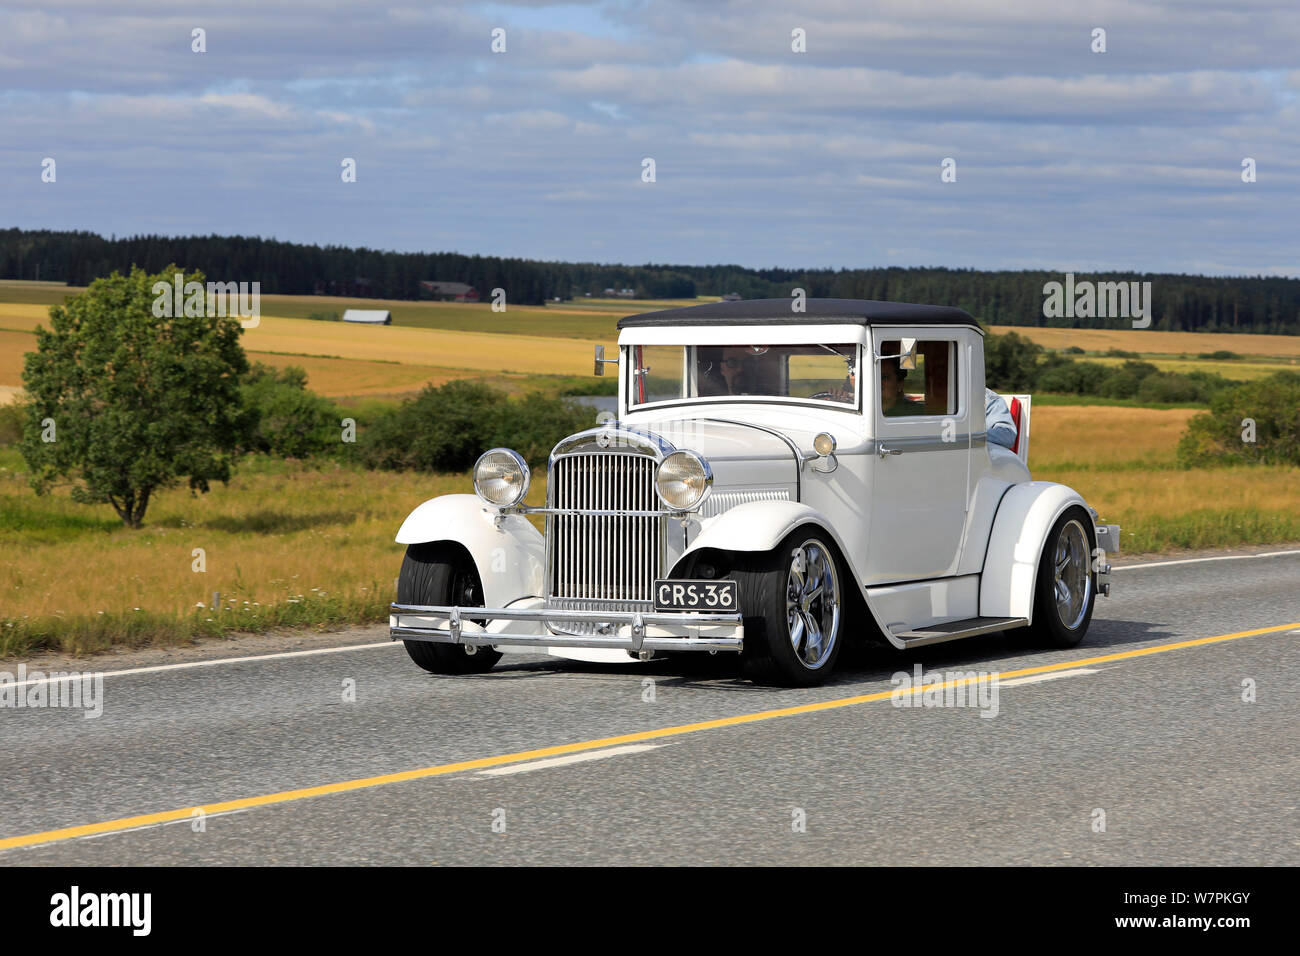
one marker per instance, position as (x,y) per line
(776,483)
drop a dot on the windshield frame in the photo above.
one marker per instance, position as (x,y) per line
(629,386)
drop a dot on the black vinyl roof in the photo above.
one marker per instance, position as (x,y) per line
(817,312)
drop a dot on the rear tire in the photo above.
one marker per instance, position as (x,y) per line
(791,599)
(442,574)
(1065,590)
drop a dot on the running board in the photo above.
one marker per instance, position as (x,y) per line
(952,630)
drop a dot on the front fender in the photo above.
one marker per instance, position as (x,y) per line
(760,526)
(510,558)
(1025,516)
(757,526)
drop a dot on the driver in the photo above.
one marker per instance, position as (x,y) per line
(745,369)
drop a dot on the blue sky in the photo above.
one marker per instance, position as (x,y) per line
(1066,159)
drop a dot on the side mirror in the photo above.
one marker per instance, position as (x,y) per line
(601,361)
(907,360)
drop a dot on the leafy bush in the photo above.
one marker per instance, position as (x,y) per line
(282,417)
(1072,378)
(1223,434)
(591,386)
(1013,364)
(1169,387)
(1010,362)
(1222,355)
(11,423)
(446,428)
(1126,380)
(1120,353)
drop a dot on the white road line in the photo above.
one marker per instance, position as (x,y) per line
(1222,557)
(1039,678)
(212,663)
(152,826)
(568,759)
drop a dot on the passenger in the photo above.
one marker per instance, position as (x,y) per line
(893,400)
(998,423)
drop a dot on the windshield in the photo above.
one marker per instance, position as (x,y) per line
(815,373)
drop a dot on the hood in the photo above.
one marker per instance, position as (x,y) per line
(723,441)
(745,459)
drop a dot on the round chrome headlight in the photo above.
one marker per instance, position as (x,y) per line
(682,480)
(501,477)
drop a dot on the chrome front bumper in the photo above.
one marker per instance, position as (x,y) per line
(528,626)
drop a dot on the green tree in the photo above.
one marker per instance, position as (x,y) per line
(1258,422)
(123,403)
(1010,362)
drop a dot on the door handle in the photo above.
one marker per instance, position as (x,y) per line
(884,450)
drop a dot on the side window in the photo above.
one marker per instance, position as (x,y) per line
(928,389)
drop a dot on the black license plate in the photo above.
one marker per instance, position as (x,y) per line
(689,595)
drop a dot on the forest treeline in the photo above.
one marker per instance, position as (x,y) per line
(1179,302)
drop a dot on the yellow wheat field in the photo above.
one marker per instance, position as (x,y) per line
(1241,371)
(323,348)
(13,347)
(1157,343)
(17,317)
(1104,436)
(336,378)
(486,352)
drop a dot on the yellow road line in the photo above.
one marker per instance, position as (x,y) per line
(346,786)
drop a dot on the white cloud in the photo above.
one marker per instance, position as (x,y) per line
(764,156)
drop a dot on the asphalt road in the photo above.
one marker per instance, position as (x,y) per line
(1149,755)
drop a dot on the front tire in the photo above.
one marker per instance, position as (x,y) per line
(1065,590)
(792,602)
(442,574)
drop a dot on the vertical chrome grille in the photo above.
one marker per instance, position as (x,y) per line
(610,559)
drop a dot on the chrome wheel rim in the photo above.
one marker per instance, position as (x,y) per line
(812,604)
(1072,578)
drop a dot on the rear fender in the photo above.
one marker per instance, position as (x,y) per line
(1024,517)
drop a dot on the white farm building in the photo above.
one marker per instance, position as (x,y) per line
(369,316)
